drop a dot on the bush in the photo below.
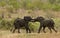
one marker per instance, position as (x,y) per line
(5,24)
(57,22)
(56,7)
(34,26)
(3,3)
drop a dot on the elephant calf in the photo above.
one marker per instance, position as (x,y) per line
(45,23)
(18,23)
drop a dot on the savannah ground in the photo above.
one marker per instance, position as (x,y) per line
(8,34)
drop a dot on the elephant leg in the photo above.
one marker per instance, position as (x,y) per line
(54,29)
(50,29)
(28,30)
(18,30)
(39,29)
(14,30)
(44,29)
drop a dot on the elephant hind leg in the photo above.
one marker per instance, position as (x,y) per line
(54,29)
(44,30)
(14,29)
(50,29)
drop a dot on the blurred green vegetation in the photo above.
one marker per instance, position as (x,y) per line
(31,4)
(6,24)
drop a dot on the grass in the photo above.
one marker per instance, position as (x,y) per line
(7,34)
(29,4)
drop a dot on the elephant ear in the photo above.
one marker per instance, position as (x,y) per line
(27,18)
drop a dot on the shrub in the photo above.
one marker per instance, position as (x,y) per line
(57,22)
(34,26)
(5,24)
(56,7)
(3,3)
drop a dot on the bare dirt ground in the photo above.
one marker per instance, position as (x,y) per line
(8,34)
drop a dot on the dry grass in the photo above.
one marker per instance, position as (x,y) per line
(22,12)
(7,34)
